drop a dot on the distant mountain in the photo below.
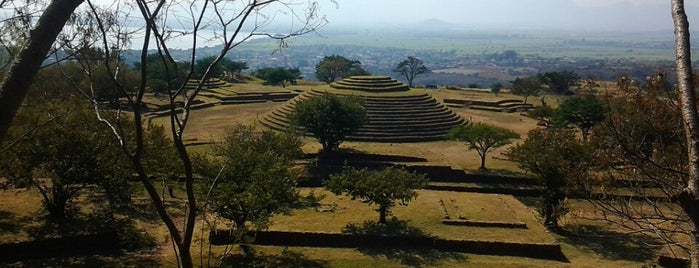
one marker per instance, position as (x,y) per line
(436,24)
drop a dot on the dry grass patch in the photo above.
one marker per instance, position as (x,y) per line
(443,93)
(209,124)
(586,226)
(18,214)
(446,153)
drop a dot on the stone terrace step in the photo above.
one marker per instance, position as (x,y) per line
(370,84)
(409,118)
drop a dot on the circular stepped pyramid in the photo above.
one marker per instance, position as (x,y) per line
(405,118)
(370,84)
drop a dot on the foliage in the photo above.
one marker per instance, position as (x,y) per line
(411,68)
(482,138)
(641,150)
(162,74)
(496,88)
(559,161)
(278,76)
(336,67)
(542,113)
(250,176)
(584,112)
(559,82)
(64,155)
(330,118)
(526,87)
(383,188)
(224,68)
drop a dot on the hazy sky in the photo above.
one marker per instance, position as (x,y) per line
(623,15)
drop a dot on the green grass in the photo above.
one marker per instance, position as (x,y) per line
(425,214)
(340,258)
(22,216)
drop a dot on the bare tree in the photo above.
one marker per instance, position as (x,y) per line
(98,33)
(641,174)
(231,23)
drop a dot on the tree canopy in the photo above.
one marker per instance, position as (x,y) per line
(249,176)
(68,151)
(411,68)
(526,87)
(61,148)
(496,88)
(584,112)
(278,76)
(559,161)
(384,188)
(542,113)
(223,68)
(329,118)
(560,82)
(336,67)
(482,138)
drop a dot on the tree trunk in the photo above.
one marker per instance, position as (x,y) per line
(690,119)
(482,163)
(383,210)
(14,87)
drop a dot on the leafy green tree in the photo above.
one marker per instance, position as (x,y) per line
(159,69)
(559,82)
(236,66)
(559,161)
(330,118)
(542,113)
(526,87)
(336,67)
(162,75)
(278,76)
(482,138)
(496,88)
(584,112)
(64,154)
(383,188)
(411,68)
(224,67)
(250,177)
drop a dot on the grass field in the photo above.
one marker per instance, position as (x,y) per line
(425,214)
(582,249)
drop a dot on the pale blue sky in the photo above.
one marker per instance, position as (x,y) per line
(605,15)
